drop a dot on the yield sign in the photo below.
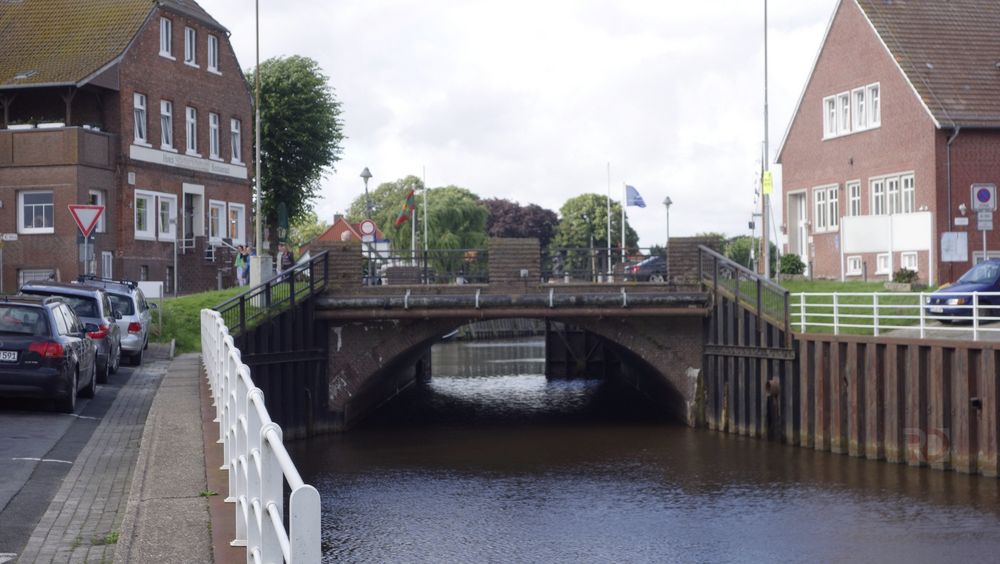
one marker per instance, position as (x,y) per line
(86,216)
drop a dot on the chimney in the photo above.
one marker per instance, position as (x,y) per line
(337,217)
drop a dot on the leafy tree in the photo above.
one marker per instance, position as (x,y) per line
(585,217)
(305,229)
(301,134)
(511,219)
(738,250)
(387,201)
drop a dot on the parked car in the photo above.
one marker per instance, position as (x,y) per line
(92,306)
(128,299)
(651,269)
(45,352)
(948,301)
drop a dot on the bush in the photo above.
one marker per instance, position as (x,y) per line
(792,264)
(905,276)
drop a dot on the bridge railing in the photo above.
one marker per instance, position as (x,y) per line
(275,295)
(748,288)
(596,264)
(431,266)
(256,460)
(920,314)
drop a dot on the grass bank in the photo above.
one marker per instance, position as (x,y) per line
(182,318)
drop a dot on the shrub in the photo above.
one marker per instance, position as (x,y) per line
(905,276)
(792,264)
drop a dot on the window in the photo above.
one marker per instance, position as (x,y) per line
(909,194)
(854,198)
(192,130)
(844,110)
(236,139)
(35,212)
(213,135)
(216,217)
(882,263)
(167,210)
(139,115)
(874,106)
(213,53)
(878,197)
(855,266)
(189,46)
(830,117)
(26,275)
(237,223)
(97,198)
(144,219)
(166,38)
(833,203)
(819,217)
(107,263)
(167,125)
(892,188)
(144,272)
(860,117)
(909,261)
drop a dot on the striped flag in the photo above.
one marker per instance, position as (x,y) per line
(408,206)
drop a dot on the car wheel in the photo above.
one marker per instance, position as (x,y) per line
(656,278)
(91,389)
(104,375)
(136,359)
(67,403)
(117,361)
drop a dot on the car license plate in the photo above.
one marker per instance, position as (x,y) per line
(8,356)
(937,310)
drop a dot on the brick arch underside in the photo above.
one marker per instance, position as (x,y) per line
(371,361)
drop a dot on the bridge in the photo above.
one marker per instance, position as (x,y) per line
(713,344)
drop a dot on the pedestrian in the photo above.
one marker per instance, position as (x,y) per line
(284,259)
(239,264)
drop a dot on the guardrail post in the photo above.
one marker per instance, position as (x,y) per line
(802,313)
(875,312)
(836,314)
(271,491)
(291,288)
(923,315)
(304,525)
(975,316)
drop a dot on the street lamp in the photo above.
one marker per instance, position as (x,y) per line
(365,175)
(667,202)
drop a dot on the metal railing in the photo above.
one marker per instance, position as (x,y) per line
(595,264)
(433,266)
(880,313)
(275,295)
(745,286)
(256,459)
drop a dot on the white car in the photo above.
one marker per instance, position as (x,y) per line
(128,300)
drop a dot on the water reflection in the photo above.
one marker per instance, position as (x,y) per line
(511,468)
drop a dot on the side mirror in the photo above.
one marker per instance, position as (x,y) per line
(118,314)
(153,306)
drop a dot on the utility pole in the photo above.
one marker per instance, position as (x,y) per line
(766,176)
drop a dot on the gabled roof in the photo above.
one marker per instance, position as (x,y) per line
(342,230)
(65,42)
(949,51)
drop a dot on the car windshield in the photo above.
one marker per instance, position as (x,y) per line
(23,320)
(122,303)
(983,273)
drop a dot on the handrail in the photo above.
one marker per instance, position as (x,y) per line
(272,296)
(751,290)
(256,459)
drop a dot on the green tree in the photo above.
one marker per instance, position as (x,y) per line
(301,134)
(585,217)
(305,229)
(738,249)
(387,201)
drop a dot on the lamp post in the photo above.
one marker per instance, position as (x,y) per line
(667,202)
(365,175)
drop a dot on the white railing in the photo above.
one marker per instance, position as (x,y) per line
(256,459)
(880,313)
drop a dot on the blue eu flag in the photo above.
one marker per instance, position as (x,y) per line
(632,197)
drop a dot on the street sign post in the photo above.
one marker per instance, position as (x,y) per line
(86,217)
(984,203)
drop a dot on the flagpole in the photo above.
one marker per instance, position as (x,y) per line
(424,172)
(609,221)
(413,232)
(624,201)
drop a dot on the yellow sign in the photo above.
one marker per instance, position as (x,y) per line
(767,183)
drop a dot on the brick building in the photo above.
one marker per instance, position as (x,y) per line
(137,105)
(899,117)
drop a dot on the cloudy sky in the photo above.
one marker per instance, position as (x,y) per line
(531,99)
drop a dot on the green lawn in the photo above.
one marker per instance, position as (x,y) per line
(182,318)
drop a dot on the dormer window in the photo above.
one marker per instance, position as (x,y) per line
(190,38)
(213,54)
(166,38)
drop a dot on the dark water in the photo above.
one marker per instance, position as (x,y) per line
(491,463)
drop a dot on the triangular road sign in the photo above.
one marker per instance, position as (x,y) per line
(86,217)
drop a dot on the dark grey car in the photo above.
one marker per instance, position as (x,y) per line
(92,306)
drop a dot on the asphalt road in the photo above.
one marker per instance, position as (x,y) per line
(37,448)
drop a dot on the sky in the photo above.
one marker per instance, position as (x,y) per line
(530,100)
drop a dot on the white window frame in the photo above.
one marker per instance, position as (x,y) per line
(854,198)
(107,264)
(909,257)
(214,137)
(218,232)
(819,210)
(908,192)
(170,231)
(877,189)
(191,131)
(236,140)
(833,207)
(167,38)
(855,266)
(25,275)
(167,126)
(149,233)
(882,263)
(829,117)
(191,47)
(30,230)
(241,223)
(874,94)
(859,109)
(99,198)
(213,54)
(892,195)
(140,122)
(844,113)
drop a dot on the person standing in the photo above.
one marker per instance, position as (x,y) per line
(239,264)
(284,259)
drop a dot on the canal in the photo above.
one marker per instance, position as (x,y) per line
(490,462)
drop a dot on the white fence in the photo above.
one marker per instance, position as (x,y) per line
(940,314)
(256,459)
